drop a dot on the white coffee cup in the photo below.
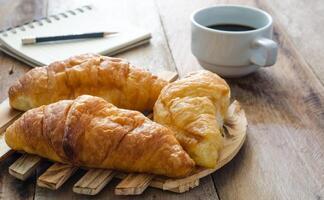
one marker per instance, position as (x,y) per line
(232,53)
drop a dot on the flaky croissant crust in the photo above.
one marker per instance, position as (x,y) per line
(194,108)
(113,79)
(91,132)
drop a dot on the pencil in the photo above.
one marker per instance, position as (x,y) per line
(34,40)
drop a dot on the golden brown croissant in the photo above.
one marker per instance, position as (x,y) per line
(91,132)
(113,79)
(194,108)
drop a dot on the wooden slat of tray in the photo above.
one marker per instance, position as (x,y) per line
(133,184)
(159,182)
(93,181)
(24,166)
(55,176)
(185,187)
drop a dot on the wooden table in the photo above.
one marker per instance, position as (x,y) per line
(283,157)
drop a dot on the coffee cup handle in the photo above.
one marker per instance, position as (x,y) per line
(264,52)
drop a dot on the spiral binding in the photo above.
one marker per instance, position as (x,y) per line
(45,20)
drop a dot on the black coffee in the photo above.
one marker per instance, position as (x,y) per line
(231,27)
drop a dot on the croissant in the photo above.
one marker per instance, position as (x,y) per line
(113,79)
(91,132)
(194,108)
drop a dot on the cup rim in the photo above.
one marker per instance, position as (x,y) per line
(270,21)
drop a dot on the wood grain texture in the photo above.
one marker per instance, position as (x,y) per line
(55,176)
(204,191)
(133,184)
(24,166)
(283,156)
(304,21)
(93,181)
(186,187)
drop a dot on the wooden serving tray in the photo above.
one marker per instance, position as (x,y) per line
(94,180)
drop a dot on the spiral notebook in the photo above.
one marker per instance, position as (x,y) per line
(80,20)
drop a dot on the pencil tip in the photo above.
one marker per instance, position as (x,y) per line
(110,33)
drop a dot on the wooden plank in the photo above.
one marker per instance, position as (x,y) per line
(93,181)
(178,185)
(283,156)
(24,167)
(55,176)
(133,184)
(300,25)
